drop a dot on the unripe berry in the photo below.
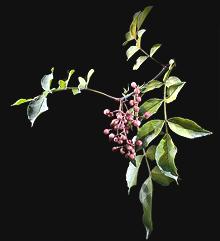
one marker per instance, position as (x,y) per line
(138,99)
(136,123)
(136,108)
(111,136)
(131,102)
(106,111)
(133,85)
(132,156)
(122,151)
(137,91)
(139,143)
(106,131)
(147,115)
(132,151)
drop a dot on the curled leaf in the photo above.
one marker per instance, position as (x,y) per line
(21,101)
(37,106)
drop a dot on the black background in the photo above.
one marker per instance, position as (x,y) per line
(60,178)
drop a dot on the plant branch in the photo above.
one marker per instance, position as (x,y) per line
(155,60)
(88,89)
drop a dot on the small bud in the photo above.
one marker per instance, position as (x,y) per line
(139,143)
(132,156)
(123,137)
(111,136)
(137,91)
(122,151)
(136,123)
(131,102)
(133,85)
(106,111)
(120,142)
(138,99)
(106,131)
(147,115)
(129,148)
(136,108)
(114,149)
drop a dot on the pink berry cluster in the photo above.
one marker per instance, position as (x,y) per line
(123,122)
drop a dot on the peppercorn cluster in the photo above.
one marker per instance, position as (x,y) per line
(123,123)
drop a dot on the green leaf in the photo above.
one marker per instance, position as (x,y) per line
(142,16)
(165,155)
(132,172)
(159,177)
(151,85)
(128,38)
(69,76)
(90,73)
(75,90)
(145,196)
(47,80)
(21,101)
(62,84)
(187,128)
(140,60)
(131,51)
(150,153)
(149,131)
(172,80)
(141,32)
(151,105)
(173,91)
(37,106)
(82,83)
(133,26)
(154,49)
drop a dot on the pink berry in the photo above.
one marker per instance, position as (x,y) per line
(120,142)
(115,139)
(136,108)
(137,91)
(106,111)
(124,138)
(114,149)
(122,151)
(133,85)
(129,148)
(131,102)
(111,136)
(133,151)
(106,131)
(147,115)
(138,99)
(139,143)
(136,123)
(132,156)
